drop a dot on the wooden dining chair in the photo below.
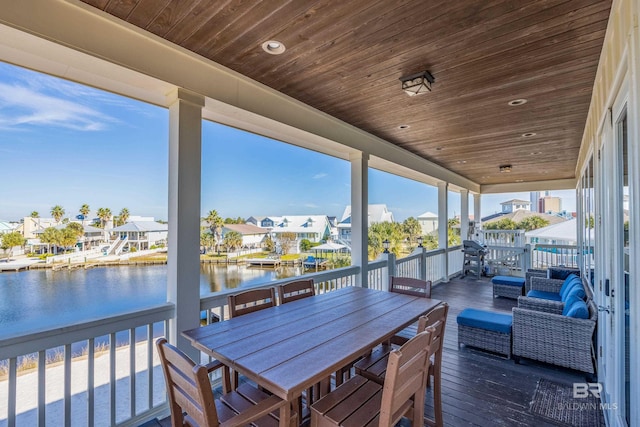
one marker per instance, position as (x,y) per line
(410,286)
(362,402)
(250,301)
(296,290)
(374,365)
(191,398)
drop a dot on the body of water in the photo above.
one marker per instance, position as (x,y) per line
(35,299)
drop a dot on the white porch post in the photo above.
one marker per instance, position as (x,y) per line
(477,216)
(360,215)
(443,225)
(183,263)
(464,215)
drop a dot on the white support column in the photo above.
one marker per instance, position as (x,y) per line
(183,263)
(443,225)
(464,215)
(360,215)
(477,216)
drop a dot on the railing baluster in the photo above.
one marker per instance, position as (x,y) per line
(112,376)
(11,410)
(132,371)
(67,385)
(42,383)
(150,363)
(91,382)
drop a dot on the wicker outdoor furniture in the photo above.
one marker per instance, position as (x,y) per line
(555,338)
(532,272)
(507,286)
(486,330)
(549,295)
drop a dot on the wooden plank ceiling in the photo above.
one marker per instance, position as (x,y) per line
(345,58)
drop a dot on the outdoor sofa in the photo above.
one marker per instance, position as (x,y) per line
(562,338)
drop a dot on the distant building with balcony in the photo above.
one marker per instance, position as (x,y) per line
(141,235)
(376,213)
(515,205)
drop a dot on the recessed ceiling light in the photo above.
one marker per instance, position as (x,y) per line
(438,148)
(462,162)
(404,127)
(516,102)
(273,47)
(519,180)
(505,168)
(535,153)
(529,134)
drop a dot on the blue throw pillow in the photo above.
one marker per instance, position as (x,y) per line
(575,307)
(577,290)
(569,282)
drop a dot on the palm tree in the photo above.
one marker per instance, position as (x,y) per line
(215,222)
(57,212)
(104,214)
(124,215)
(84,210)
(35,214)
(232,240)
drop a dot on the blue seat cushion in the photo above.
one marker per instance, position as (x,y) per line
(569,282)
(575,307)
(551,296)
(487,320)
(508,280)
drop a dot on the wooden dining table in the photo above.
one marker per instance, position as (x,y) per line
(288,348)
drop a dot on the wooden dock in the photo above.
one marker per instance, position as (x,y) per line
(264,262)
(15,266)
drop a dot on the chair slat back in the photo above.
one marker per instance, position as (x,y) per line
(411,286)
(188,387)
(250,301)
(439,313)
(296,290)
(406,378)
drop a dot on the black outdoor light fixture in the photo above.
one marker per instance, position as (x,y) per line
(419,239)
(417,84)
(385,245)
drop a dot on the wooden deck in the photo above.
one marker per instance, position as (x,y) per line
(479,388)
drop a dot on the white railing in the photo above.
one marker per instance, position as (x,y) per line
(378,275)
(544,255)
(455,259)
(507,260)
(100,372)
(504,238)
(117,249)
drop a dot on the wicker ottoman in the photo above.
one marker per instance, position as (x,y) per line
(485,330)
(507,286)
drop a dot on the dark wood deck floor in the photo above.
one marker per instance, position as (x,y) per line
(480,388)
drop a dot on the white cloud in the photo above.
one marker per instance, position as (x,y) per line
(311,205)
(21,105)
(320,175)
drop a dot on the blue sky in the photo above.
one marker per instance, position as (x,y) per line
(66,144)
